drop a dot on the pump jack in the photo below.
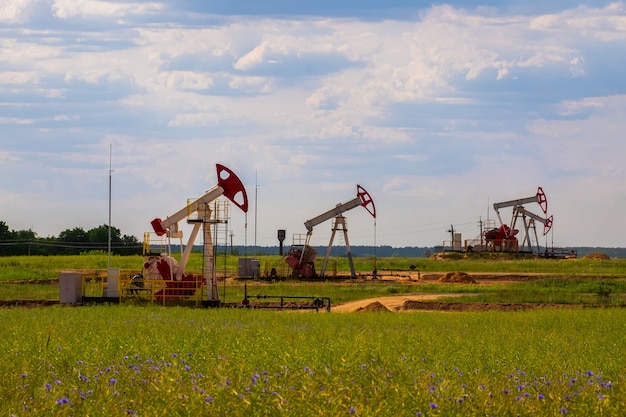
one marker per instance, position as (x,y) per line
(301,259)
(505,235)
(228,185)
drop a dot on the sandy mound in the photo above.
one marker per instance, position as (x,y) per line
(600,256)
(375,307)
(461,277)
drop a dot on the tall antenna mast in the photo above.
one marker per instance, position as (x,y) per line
(110,180)
(256,192)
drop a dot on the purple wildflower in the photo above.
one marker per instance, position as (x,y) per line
(352,410)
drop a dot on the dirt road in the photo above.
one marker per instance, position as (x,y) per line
(393,303)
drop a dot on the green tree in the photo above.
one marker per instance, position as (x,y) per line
(5,232)
(100,235)
(75,241)
(75,235)
(6,236)
(132,246)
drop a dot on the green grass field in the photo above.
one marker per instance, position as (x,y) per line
(130,360)
(147,360)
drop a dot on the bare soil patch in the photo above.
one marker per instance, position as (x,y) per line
(460,277)
(598,256)
(376,306)
(391,303)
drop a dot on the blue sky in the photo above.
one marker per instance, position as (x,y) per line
(437,110)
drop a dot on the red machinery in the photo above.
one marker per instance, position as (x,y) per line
(504,238)
(178,282)
(300,258)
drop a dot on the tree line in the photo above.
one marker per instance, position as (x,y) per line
(69,242)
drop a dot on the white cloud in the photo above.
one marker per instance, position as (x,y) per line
(16,120)
(19,77)
(187,80)
(66,9)
(251,84)
(8,156)
(601,23)
(16,11)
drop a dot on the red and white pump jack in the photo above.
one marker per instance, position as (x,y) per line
(504,237)
(301,259)
(228,185)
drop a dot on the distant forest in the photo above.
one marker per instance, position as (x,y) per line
(69,242)
(386,251)
(77,240)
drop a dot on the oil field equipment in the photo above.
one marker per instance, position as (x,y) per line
(164,267)
(301,256)
(504,238)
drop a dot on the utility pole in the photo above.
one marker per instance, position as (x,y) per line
(256,190)
(451,231)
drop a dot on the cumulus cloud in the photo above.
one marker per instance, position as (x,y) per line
(19,77)
(66,9)
(187,80)
(17,11)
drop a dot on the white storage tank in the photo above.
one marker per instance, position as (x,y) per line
(113,276)
(456,243)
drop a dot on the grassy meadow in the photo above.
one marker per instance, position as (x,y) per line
(130,360)
(144,360)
